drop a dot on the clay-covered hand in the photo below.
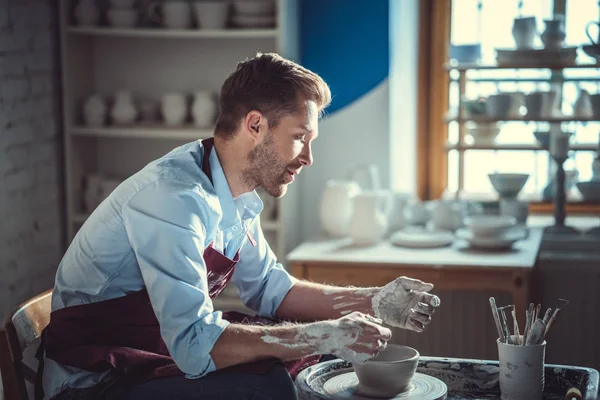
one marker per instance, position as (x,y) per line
(405,303)
(355,337)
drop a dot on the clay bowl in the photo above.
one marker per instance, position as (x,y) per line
(388,374)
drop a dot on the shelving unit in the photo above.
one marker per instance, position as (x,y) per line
(151,61)
(460,76)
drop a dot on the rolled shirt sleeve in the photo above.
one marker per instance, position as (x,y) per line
(261,281)
(166,231)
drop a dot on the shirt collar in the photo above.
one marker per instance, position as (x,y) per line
(246,206)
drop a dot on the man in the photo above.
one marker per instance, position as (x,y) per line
(132,313)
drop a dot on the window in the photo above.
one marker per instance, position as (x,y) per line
(489,22)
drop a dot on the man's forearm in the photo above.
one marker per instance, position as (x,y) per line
(240,344)
(308,301)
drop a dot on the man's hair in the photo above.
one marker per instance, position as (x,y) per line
(270,84)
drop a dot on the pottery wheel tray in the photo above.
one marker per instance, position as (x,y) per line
(465,379)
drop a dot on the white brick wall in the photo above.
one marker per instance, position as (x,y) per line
(31,195)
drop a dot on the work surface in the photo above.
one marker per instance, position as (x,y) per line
(523,254)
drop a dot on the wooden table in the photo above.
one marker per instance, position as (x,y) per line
(456,267)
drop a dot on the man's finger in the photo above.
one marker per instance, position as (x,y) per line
(424,308)
(415,284)
(431,299)
(424,319)
(415,326)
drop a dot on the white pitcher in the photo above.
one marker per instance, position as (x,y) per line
(369,221)
(337,206)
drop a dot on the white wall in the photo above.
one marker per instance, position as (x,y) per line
(356,134)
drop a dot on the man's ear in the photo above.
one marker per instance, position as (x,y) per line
(255,125)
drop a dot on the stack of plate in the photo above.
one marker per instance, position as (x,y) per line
(254,13)
(490,232)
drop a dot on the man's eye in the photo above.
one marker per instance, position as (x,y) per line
(301,138)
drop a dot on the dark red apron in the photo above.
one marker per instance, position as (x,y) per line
(123,334)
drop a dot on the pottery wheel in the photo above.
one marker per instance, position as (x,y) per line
(422,387)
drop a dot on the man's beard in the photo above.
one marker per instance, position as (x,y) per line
(266,169)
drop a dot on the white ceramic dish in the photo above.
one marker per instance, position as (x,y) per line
(421,238)
(508,185)
(590,190)
(489,225)
(502,242)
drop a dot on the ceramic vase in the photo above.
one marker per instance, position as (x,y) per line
(123,110)
(94,111)
(204,109)
(174,108)
(554,35)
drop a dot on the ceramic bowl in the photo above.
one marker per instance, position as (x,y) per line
(483,133)
(388,374)
(508,185)
(543,138)
(465,53)
(590,190)
(489,225)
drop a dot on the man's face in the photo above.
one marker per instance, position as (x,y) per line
(284,151)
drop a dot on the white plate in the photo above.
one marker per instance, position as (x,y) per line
(420,238)
(505,241)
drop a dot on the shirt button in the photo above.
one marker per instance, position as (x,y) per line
(235,228)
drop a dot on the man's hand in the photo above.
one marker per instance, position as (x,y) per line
(405,303)
(355,337)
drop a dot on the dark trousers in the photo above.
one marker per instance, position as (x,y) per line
(275,384)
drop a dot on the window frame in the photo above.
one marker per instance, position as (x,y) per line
(433,103)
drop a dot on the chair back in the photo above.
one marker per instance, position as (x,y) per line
(22,328)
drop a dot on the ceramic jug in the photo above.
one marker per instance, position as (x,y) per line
(123,110)
(554,34)
(524,32)
(204,109)
(369,222)
(337,206)
(87,13)
(447,215)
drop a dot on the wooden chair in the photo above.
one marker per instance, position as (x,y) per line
(22,328)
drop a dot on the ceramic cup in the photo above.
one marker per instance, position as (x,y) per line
(521,370)
(389,373)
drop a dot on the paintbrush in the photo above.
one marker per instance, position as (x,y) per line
(538,308)
(505,324)
(547,316)
(497,319)
(528,322)
(559,306)
(516,327)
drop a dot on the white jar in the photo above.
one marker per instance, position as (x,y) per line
(94,111)
(204,109)
(87,13)
(174,108)
(123,111)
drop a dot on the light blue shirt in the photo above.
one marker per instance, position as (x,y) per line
(152,232)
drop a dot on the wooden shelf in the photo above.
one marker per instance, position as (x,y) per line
(466,67)
(174,33)
(571,208)
(187,132)
(517,147)
(454,118)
